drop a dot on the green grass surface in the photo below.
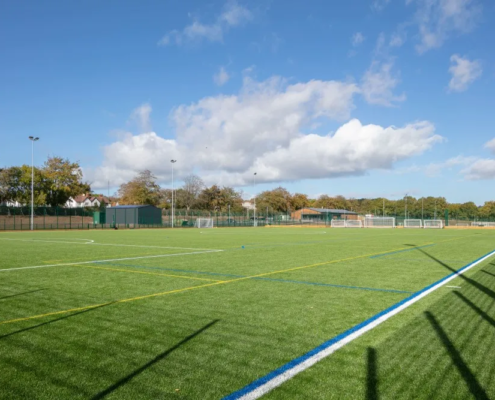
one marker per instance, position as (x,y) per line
(165,316)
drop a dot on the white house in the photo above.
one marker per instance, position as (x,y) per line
(87,200)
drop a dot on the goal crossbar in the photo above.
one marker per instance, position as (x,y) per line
(433,224)
(413,223)
(204,223)
(379,222)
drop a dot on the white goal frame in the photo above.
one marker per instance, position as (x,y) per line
(337,223)
(204,223)
(379,222)
(413,223)
(353,223)
(433,224)
(346,223)
(483,223)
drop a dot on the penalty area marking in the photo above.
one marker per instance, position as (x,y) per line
(286,372)
(114,259)
(92,242)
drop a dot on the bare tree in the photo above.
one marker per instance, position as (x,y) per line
(193,185)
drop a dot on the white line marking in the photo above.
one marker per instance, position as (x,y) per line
(291,372)
(114,259)
(92,242)
(454,287)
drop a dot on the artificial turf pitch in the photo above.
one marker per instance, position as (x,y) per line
(150,314)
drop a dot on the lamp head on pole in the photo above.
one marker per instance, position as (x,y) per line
(34,139)
(173,161)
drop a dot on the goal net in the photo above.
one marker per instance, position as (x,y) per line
(337,223)
(483,223)
(204,223)
(379,222)
(353,223)
(433,224)
(413,223)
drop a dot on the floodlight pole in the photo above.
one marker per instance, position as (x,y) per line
(254,186)
(422,208)
(33,139)
(405,212)
(173,162)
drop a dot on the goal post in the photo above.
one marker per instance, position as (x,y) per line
(433,224)
(337,223)
(204,223)
(413,223)
(379,222)
(353,223)
(346,223)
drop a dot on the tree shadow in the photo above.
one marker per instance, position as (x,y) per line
(372,375)
(472,282)
(150,363)
(20,294)
(474,386)
(52,321)
(483,314)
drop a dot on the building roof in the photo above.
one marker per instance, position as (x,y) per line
(131,206)
(331,211)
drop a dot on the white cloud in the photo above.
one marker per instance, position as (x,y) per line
(379,5)
(227,138)
(480,169)
(378,84)
(435,169)
(357,39)
(398,39)
(464,72)
(233,15)
(221,77)
(439,19)
(491,145)
(141,117)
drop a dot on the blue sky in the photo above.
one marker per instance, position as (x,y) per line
(354,98)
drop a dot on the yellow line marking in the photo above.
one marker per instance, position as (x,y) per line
(148,273)
(210,284)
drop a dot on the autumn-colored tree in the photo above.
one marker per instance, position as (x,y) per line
(143,189)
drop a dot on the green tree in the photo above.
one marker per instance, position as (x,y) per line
(277,200)
(62,179)
(299,200)
(143,189)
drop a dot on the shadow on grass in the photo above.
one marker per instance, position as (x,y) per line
(52,321)
(472,282)
(489,273)
(372,376)
(150,363)
(21,294)
(483,314)
(474,387)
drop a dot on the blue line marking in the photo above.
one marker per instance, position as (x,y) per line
(261,278)
(334,285)
(403,251)
(291,364)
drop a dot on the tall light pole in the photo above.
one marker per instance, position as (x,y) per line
(422,208)
(254,185)
(405,211)
(32,139)
(173,162)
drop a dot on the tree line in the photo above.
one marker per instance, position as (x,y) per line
(54,183)
(195,195)
(59,179)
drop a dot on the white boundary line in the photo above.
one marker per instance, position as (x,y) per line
(114,259)
(275,378)
(91,242)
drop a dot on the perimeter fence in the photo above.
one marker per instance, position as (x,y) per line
(52,218)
